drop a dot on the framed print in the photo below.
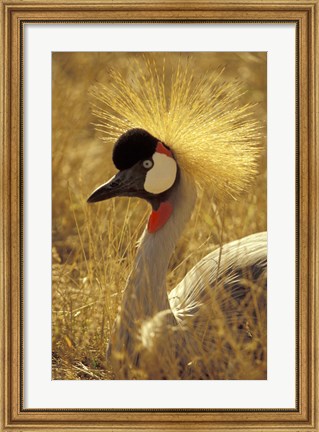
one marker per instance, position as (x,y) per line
(159,193)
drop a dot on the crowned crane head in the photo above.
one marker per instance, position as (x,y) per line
(147,169)
(167,122)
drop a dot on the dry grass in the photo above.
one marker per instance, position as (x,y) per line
(94,246)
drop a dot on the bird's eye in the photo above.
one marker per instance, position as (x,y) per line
(148,164)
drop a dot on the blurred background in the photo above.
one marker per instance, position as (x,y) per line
(93,247)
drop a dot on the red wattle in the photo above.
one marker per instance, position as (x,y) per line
(159,217)
(160,148)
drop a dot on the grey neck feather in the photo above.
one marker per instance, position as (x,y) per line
(145,293)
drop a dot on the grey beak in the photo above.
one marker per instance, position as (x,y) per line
(128,182)
(110,189)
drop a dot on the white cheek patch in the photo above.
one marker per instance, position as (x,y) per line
(163,174)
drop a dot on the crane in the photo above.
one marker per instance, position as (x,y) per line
(203,137)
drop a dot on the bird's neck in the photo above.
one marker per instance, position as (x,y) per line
(145,293)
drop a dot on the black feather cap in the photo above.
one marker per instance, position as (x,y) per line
(133,146)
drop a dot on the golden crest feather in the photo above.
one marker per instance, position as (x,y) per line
(201,118)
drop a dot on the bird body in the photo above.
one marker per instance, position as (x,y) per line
(177,329)
(180,335)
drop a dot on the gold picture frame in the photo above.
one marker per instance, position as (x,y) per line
(304,15)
